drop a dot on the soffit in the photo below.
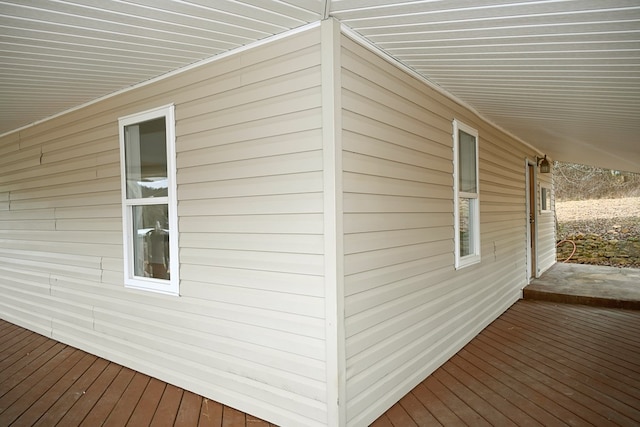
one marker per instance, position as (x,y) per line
(55,55)
(562,75)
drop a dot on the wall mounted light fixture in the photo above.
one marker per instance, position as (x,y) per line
(545,166)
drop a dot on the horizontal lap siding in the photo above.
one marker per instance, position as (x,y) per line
(62,220)
(248,328)
(407,309)
(250,205)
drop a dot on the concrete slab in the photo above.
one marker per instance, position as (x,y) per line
(588,284)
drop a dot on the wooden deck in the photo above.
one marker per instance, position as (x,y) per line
(539,364)
(46,383)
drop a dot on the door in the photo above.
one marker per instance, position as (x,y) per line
(531,232)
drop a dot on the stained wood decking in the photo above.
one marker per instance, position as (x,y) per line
(539,364)
(46,383)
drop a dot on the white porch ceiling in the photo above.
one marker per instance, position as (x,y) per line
(562,75)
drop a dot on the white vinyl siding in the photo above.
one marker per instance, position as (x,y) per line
(407,309)
(249,327)
(283,202)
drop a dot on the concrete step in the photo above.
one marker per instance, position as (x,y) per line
(587,284)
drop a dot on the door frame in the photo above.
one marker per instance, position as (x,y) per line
(531,215)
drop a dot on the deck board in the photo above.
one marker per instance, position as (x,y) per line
(572,396)
(17,356)
(419,414)
(571,347)
(66,400)
(579,376)
(56,377)
(90,395)
(520,409)
(32,363)
(539,364)
(14,339)
(189,411)
(210,414)
(105,405)
(128,401)
(168,407)
(400,417)
(436,406)
(478,402)
(146,408)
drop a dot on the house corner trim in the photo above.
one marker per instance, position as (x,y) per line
(333,225)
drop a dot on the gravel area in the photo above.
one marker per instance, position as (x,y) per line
(584,210)
(610,218)
(613,220)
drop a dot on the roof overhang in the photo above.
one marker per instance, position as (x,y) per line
(563,76)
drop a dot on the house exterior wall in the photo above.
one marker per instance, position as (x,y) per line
(407,310)
(288,311)
(248,328)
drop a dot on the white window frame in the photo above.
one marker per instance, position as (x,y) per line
(545,199)
(474,256)
(166,286)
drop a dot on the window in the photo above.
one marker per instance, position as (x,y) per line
(545,199)
(150,224)
(467,204)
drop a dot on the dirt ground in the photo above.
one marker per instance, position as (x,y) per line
(585,210)
(609,218)
(616,222)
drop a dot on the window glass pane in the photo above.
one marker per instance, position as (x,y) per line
(467,162)
(146,159)
(543,197)
(465,229)
(151,243)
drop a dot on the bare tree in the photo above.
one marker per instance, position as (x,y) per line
(580,182)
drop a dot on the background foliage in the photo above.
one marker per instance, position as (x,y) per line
(598,211)
(579,182)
